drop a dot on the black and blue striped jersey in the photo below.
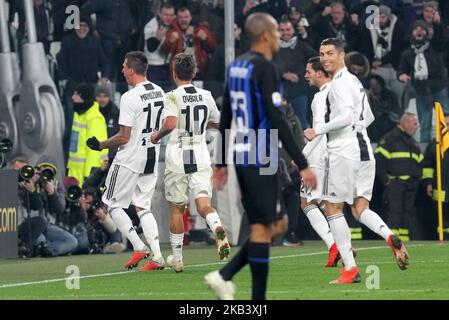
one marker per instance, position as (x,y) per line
(251,106)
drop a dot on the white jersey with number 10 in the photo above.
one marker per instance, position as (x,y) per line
(187,148)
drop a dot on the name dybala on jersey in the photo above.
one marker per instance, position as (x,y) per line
(347,116)
(187,148)
(141,109)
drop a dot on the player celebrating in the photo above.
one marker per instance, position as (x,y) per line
(315,151)
(350,164)
(188,167)
(252,101)
(133,173)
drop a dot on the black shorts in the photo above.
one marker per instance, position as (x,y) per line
(261,195)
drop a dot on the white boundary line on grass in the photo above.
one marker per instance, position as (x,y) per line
(21,284)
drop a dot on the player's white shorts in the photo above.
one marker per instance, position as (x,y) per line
(180,186)
(344,179)
(125,187)
(317,193)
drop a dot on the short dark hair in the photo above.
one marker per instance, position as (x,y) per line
(184,66)
(337,43)
(285,20)
(166,5)
(137,61)
(317,66)
(182,9)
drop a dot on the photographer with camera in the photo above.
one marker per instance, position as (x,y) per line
(93,228)
(40,203)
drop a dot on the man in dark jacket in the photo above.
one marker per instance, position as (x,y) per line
(109,110)
(80,59)
(383,47)
(399,168)
(118,30)
(422,65)
(385,107)
(291,61)
(334,23)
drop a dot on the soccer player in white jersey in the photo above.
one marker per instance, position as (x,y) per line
(350,164)
(133,173)
(190,111)
(315,152)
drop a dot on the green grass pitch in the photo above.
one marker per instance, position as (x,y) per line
(295,273)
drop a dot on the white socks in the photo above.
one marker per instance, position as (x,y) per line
(213,221)
(149,227)
(125,226)
(319,224)
(342,236)
(375,223)
(176,241)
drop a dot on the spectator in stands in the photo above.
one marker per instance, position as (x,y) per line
(58,12)
(301,25)
(385,107)
(423,66)
(399,168)
(316,9)
(116,25)
(216,66)
(41,203)
(155,32)
(80,60)
(430,182)
(277,8)
(184,36)
(432,17)
(43,20)
(215,21)
(334,23)
(383,47)
(291,61)
(359,66)
(87,122)
(417,5)
(109,110)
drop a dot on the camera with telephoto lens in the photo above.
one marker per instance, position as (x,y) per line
(46,175)
(96,204)
(26,173)
(5,146)
(73,193)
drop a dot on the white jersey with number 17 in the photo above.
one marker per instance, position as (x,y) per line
(187,148)
(141,109)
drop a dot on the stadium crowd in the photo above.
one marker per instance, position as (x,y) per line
(403,60)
